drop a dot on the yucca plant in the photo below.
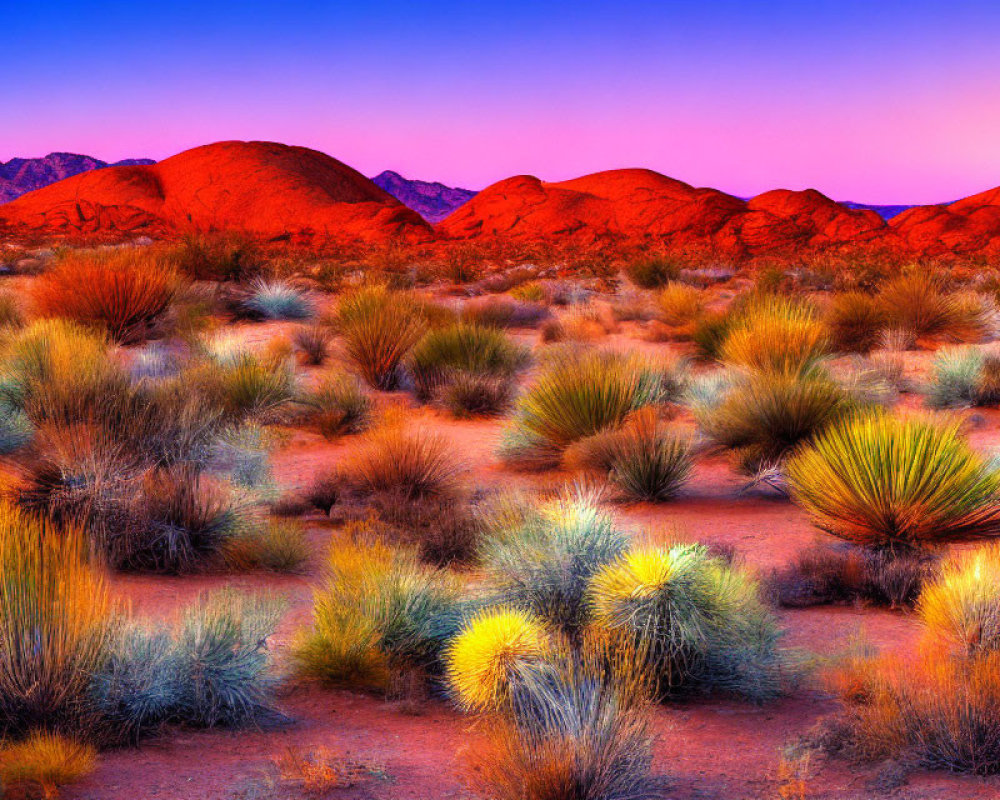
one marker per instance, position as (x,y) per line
(543,562)
(763,416)
(463,349)
(699,622)
(577,395)
(776,333)
(55,625)
(483,660)
(896,483)
(643,459)
(125,292)
(271,299)
(379,328)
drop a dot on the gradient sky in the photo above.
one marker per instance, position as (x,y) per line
(872,101)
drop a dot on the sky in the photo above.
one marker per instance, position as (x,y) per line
(881,102)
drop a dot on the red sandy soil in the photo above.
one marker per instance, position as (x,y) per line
(260,187)
(712,749)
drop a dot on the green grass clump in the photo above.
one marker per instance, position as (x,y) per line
(467,354)
(652,272)
(896,483)
(275,545)
(856,321)
(699,622)
(763,416)
(577,395)
(338,404)
(775,333)
(379,328)
(964,376)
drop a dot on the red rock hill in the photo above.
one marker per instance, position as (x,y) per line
(642,204)
(260,187)
(967,226)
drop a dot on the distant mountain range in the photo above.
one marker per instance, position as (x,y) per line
(432,201)
(21,175)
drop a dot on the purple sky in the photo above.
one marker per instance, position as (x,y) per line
(874,101)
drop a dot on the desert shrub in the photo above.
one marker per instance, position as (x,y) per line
(39,765)
(919,302)
(964,376)
(855,321)
(15,428)
(895,483)
(442,528)
(11,312)
(324,490)
(652,272)
(125,292)
(483,660)
(410,462)
(503,312)
(577,395)
(578,726)
(468,395)
(55,625)
(463,350)
(710,332)
(313,341)
(278,546)
(679,304)
(699,622)
(378,611)
(823,574)
(379,328)
(176,521)
(225,673)
(270,299)
(890,367)
(544,561)
(962,604)
(338,404)
(218,257)
(776,334)
(763,416)
(643,459)
(245,385)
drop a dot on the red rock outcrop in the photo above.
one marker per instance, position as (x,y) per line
(967,226)
(639,204)
(262,188)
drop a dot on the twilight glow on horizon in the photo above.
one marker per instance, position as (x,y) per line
(891,102)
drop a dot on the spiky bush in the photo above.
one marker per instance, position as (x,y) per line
(313,341)
(229,256)
(709,333)
(762,416)
(278,546)
(444,354)
(577,395)
(653,272)
(964,376)
(125,292)
(700,622)
(578,727)
(380,609)
(896,483)
(379,328)
(962,604)
(338,404)
(679,304)
(246,385)
(274,299)
(39,765)
(918,301)
(468,395)
(856,321)
(55,624)
(226,675)
(410,463)
(484,659)
(543,563)
(644,459)
(776,333)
